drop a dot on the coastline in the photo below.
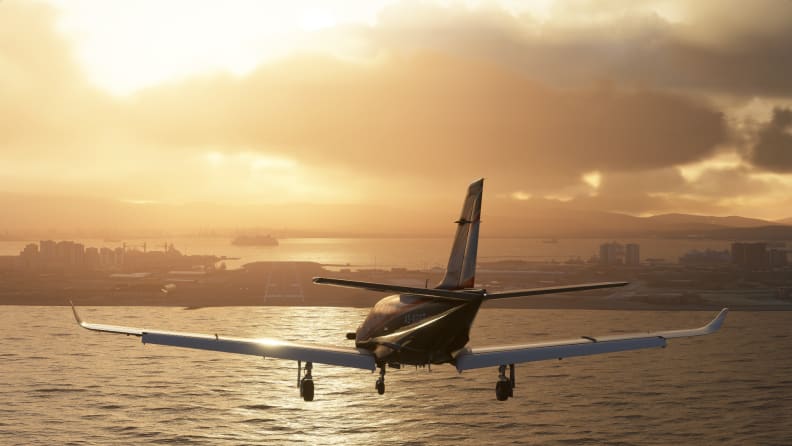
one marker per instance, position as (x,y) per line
(275,283)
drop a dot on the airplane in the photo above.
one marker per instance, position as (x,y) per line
(423,326)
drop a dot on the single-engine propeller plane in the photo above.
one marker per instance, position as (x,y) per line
(423,326)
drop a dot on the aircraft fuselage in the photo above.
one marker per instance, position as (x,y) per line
(416,330)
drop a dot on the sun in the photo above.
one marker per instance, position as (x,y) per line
(127,46)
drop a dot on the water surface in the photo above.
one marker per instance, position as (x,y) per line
(60,384)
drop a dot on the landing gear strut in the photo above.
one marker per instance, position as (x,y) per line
(380,386)
(504,388)
(305,383)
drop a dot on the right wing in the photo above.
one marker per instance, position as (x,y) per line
(340,356)
(474,358)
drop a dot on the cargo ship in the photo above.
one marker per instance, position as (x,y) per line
(255,240)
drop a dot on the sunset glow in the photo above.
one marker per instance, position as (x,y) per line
(127,46)
(359,104)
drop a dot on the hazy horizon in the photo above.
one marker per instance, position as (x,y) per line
(104,218)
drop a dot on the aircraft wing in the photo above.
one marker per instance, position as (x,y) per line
(383,287)
(339,356)
(474,358)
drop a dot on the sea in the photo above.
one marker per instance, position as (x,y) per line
(63,385)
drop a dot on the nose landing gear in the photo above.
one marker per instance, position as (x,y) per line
(380,385)
(504,388)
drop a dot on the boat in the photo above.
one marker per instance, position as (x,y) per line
(255,240)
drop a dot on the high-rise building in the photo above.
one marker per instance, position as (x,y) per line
(47,249)
(611,253)
(64,252)
(750,255)
(29,257)
(778,258)
(31,250)
(107,257)
(78,255)
(119,256)
(632,254)
(92,259)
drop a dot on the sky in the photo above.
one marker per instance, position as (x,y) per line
(640,107)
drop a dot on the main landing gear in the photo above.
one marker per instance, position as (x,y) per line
(380,385)
(504,388)
(305,383)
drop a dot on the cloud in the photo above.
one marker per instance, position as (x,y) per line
(431,114)
(447,94)
(707,46)
(643,192)
(44,98)
(715,191)
(773,149)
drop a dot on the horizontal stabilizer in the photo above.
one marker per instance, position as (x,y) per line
(383,287)
(553,290)
(462,295)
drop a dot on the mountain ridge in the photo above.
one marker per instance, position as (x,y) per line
(36,217)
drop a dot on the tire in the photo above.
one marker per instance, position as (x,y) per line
(502,390)
(380,387)
(308,390)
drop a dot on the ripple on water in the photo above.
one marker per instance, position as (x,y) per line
(258,407)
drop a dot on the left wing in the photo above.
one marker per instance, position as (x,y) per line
(340,356)
(474,358)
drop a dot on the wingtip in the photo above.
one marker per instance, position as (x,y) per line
(76,316)
(716,323)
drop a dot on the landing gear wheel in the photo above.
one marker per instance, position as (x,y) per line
(502,390)
(380,386)
(307,386)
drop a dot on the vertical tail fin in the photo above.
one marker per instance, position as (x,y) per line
(461,271)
